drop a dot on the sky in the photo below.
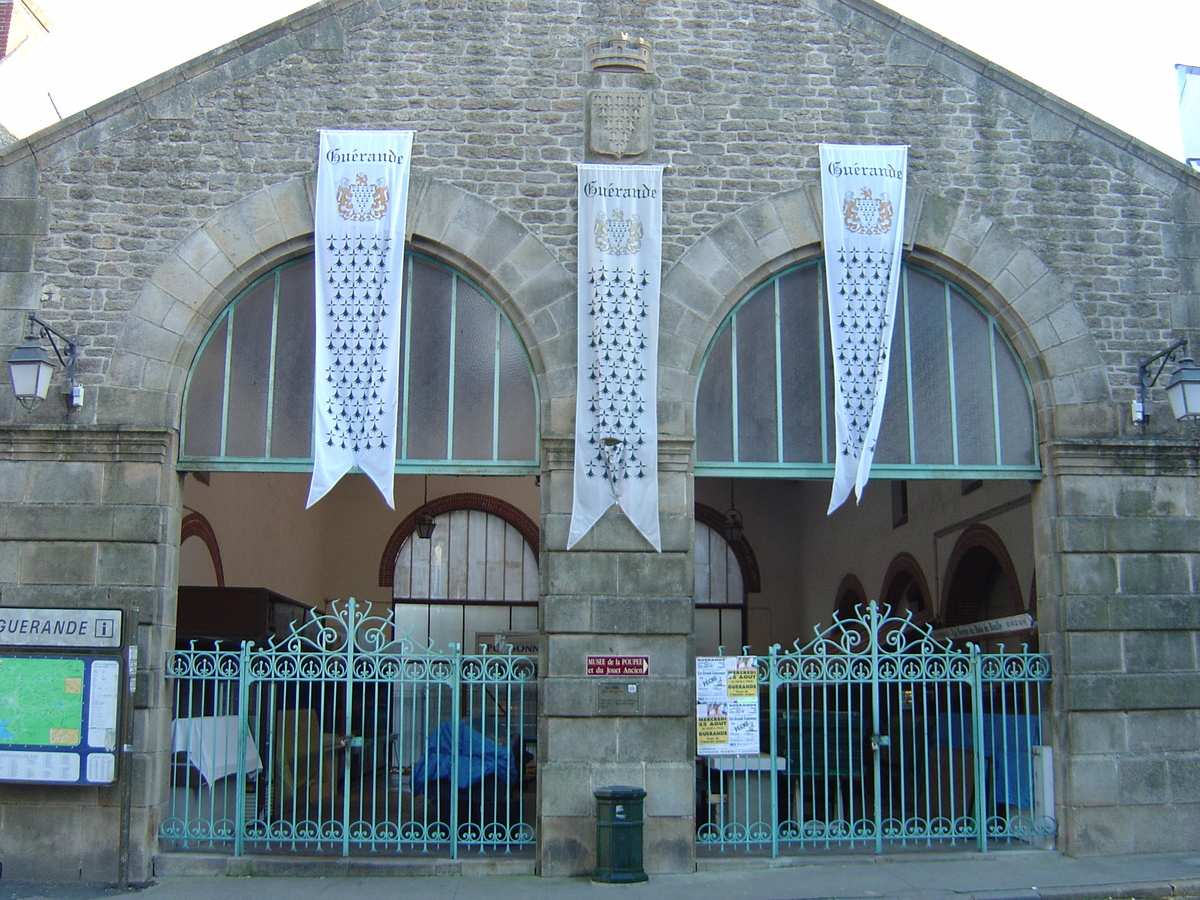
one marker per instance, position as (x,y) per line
(1114,60)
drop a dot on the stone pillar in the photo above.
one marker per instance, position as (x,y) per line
(613,595)
(1118,533)
(91,521)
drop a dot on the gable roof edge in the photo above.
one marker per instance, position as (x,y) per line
(172,94)
(1051,118)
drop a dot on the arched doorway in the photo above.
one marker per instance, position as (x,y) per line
(467,423)
(959,410)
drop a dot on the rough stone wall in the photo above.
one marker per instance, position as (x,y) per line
(743,92)
(89,521)
(158,202)
(1123,633)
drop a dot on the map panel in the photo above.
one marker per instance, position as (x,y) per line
(41,701)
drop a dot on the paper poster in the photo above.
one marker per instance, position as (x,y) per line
(726,705)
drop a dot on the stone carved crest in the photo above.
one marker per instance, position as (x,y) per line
(619,122)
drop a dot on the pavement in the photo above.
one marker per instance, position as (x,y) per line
(998,875)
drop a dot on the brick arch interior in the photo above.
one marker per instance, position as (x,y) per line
(979,564)
(450,502)
(850,595)
(197,526)
(905,588)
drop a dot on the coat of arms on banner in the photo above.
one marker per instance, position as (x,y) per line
(361,201)
(867,214)
(617,234)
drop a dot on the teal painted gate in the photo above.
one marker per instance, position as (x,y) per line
(877,736)
(346,738)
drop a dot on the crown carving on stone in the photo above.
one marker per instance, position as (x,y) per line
(621,54)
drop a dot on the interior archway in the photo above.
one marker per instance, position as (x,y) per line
(981,581)
(905,589)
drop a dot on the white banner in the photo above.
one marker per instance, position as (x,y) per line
(616,417)
(863,191)
(362,196)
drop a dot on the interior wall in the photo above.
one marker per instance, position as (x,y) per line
(267,538)
(332,551)
(803,554)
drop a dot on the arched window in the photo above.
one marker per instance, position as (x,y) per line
(725,572)
(467,395)
(958,401)
(474,578)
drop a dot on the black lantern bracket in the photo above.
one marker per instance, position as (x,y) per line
(31,354)
(1177,390)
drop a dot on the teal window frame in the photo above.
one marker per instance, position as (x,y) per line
(773,348)
(224,328)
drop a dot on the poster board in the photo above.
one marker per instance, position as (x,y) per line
(59,718)
(726,705)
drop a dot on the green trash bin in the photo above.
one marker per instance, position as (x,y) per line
(619,835)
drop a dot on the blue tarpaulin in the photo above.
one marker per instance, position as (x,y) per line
(478,757)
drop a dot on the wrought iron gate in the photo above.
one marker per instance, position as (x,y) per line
(875,735)
(346,737)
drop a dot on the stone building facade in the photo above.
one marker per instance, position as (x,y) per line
(133,224)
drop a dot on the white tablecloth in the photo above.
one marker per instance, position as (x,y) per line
(211,745)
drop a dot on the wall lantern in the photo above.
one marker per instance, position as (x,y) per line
(30,366)
(1183,390)
(733,526)
(425,522)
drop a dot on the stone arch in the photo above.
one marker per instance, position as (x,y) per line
(199,277)
(1047,331)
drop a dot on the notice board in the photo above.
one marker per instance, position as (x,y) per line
(59,718)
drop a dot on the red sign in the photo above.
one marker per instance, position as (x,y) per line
(618,665)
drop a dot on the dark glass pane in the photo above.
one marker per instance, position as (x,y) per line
(800,335)
(714,402)
(249,368)
(426,399)
(206,387)
(930,369)
(973,383)
(291,422)
(518,413)
(708,631)
(757,378)
(1016,414)
(474,374)
(892,446)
